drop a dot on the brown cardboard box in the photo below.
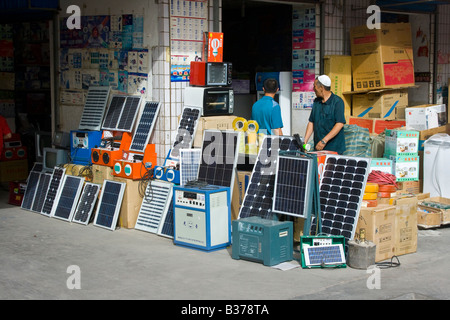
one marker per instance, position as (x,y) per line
(412,187)
(339,69)
(235,200)
(382,58)
(214,123)
(405,240)
(131,203)
(381,104)
(379,224)
(100,173)
(428,217)
(445,213)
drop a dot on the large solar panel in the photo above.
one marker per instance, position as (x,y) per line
(30,191)
(187,128)
(155,206)
(94,108)
(219,158)
(190,160)
(341,191)
(114,111)
(55,182)
(145,127)
(259,194)
(86,205)
(41,192)
(293,190)
(67,197)
(110,201)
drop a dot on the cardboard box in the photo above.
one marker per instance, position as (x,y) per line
(321,157)
(405,232)
(214,123)
(235,200)
(405,168)
(410,187)
(131,203)
(378,223)
(401,143)
(445,202)
(100,173)
(377,126)
(14,170)
(381,164)
(426,134)
(428,217)
(382,58)
(427,116)
(380,104)
(339,69)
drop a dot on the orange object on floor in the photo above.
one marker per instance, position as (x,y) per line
(387,188)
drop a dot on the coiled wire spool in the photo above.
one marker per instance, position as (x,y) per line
(241,124)
(252,135)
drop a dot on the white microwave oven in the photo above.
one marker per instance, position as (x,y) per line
(213,101)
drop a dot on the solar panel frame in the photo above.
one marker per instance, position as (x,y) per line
(334,255)
(190,160)
(30,191)
(94,108)
(41,192)
(186,130)
(106,200)
(155,206)
(145,126)
(90,193)
(67,198)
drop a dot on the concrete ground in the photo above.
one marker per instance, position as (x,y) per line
(44,258)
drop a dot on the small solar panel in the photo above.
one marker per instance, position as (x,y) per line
(67,198)
(165,228)
(110,201)
(145,126)
(154,206)
(190,160)
(41,192)
(220,152)
(87,202)
(129,113)
(324,255)
(94,108)
(259,194)
(187,128)
(342,187)
(114,111)
(55,182)
(30,191)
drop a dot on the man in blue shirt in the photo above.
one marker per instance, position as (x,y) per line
(327,118)
(267,112)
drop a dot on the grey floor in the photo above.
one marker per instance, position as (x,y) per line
(38,252)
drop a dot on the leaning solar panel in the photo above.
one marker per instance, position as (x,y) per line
(323,255)
(129,113)
(341,191)
(30,191)
(67,198)
(145,127)
(155,205)
(55,182)
(41,192)
(86,205)
(94,108)
(259,194)
(292,186)
(187,128)
(114,111)
(165,228)
(109,205)
(190,160)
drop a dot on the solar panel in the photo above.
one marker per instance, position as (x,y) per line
(154,206)
(41,192)
(292,193)
(30,191)
(110,201)
(219,158)
(259,194)
(86,205)
(67,197)
(165,229)
(38,167)
(94,108)
(190,160)
(129,113)
(324,255)
(145,127)
(113,113)
(57,176)
(187,128)
(341,191)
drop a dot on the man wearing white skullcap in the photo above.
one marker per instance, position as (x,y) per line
(327,118)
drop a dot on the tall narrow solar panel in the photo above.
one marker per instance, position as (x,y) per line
(219,158)
(94,108)
(259,194)
(155,205)
(41,192)
(30,191)
(114,111)
(109,205)
(341,192)
(86,205)
(55,182)
(67,199)
(190,160)
(145,126)
(129,113)
(187,128)
(165,228)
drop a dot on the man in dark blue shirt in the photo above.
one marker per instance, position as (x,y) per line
(327,118)
(267,112)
